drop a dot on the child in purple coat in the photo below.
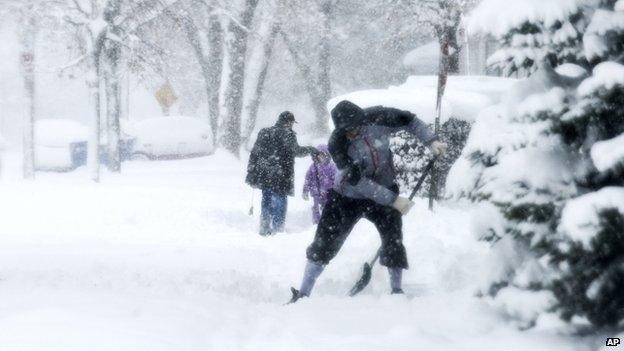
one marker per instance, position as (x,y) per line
(318,181)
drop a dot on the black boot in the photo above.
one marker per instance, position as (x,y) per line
(397,291)
(296,295)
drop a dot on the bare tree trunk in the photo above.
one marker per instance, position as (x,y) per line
(316,100)
(94,137)
(113,110)
(324,80)
(213,76)
(28,36)
(443,71)
(112,51)
(211,63)
(94,82)
(231,138)
(455,49)
(254,104)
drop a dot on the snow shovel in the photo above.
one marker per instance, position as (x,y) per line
(368,267)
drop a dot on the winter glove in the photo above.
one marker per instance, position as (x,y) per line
(352,174)
(438,148)
(305,196)
(403,205)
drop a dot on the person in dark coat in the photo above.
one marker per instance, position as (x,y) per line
(271,168)
(365,187)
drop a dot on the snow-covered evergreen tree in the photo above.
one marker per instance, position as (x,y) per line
(546,166)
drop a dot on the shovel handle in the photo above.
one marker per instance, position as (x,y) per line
(372,263)
(422,177)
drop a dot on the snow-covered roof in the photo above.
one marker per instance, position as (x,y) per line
(464,98)
(497,17)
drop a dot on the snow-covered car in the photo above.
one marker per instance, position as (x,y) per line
(170,137)
(60,144)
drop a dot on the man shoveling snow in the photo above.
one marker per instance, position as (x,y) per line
(365,187)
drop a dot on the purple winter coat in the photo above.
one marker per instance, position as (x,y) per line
(326,175)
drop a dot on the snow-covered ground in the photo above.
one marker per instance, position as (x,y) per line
(165,257)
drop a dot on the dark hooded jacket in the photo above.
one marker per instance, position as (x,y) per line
(365,163)
(272,160)
(348,115)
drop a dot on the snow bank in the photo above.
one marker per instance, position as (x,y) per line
(580,220)
(609,153)
(59,132)
(497,17)
(464,98)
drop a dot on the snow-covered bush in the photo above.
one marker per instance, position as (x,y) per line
(547,164)
(410,156)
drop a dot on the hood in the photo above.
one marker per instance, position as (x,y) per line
(347,114)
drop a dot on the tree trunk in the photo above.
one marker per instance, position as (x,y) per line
(231,138)
(94,82)
(211,63)
(94,135)
(112,51)
(455,49)
(28,36)
(254,103)
(443,71)
(213,75)
(324,79)
(311,85)
(113,110)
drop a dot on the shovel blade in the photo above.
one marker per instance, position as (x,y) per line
(363,281)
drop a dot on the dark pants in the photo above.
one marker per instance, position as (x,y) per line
(340,216)
(272,212)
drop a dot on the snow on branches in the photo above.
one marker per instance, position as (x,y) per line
(546,166)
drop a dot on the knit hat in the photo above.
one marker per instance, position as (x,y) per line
(286,117)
